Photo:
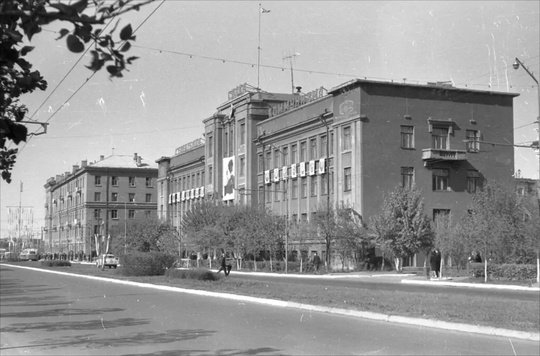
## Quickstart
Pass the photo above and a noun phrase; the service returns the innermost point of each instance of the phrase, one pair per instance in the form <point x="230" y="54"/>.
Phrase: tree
<point x="351" y="240"/>
<point x="497" y="226"/>
<point x="20" y="20"/>
<point x="144" y="235"/>
<point x="402" y="228"/>
<point x="325" y="221"/>
<point x="449" y="239"/>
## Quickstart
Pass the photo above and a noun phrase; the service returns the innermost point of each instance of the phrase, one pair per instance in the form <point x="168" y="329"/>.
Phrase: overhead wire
<point x="84" y="83"/>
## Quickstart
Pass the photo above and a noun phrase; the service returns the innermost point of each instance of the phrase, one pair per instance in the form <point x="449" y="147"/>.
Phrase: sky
<point x="193" y="52"/>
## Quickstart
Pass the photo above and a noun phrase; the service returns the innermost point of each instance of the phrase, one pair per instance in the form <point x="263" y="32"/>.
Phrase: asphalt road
<point x="50" y="314"/>
<point x="393" y="284"/>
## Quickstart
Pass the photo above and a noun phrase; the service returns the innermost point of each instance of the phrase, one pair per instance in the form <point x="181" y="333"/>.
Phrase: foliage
<point x="240" y="229"/>
<point x="198" y="274"/>
<point x="20" y="20"/>
<point x="402" y="228"/>
<point x="144" y="235"/>
<point x="449" y="239"/>
<point x="146" y="263"/>
<point x="56" y="263"/>
<point x="325" y="222"/>
<point x="505" y="271"/>
<point x="496" y="225"/>
<point x="351" y="240"/>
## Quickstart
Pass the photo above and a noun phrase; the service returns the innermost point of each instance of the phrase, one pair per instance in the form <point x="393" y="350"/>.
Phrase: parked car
<point x="29" y="255"/>
<point x="107" y="260"/>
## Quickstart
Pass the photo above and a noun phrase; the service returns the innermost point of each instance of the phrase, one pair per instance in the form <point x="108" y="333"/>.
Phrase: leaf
<point x="80" y="6"/>
<point x="125" y="47"/>
<point x="74" y="44"/>
<point x="131" y="59"/>
<point x="96" y="63"/>
<point x="114" y="71"/>
<point x="26" y="49"/>
<point x="62" y="33"/>
<point x="126" y="33"/>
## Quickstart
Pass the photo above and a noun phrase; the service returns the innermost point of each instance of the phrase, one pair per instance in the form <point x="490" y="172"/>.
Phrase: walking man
<point x="226" y="268"/>
<point x="316" y="261"/>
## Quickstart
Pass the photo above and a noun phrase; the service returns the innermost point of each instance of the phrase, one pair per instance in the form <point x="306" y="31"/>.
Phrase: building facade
<point x="296" y="153"/>
<point x="95" y="199"/>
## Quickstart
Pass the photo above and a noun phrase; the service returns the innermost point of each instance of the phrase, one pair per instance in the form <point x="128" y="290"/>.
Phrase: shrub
<point x="146" y="263"/>
<point x="55" y="263"/>
<point x="507" y="271"/>
<point x="199" y="274"/>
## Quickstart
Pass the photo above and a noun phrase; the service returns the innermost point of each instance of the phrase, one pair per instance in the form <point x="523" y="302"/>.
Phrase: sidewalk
<point x="409" y="278"/>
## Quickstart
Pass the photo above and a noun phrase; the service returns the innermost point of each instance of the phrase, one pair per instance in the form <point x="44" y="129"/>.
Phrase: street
<point x="50" y="314"/>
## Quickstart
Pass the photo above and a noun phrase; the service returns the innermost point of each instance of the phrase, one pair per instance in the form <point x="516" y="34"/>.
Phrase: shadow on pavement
<point x="222" y="352"/>
<point x="74" y="325"/>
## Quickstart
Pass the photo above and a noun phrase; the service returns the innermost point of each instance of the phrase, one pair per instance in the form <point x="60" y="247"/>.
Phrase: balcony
<point x="435" y="155"/>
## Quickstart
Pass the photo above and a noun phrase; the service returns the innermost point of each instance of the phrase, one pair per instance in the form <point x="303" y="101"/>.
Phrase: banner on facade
<point x="228" y="178"/>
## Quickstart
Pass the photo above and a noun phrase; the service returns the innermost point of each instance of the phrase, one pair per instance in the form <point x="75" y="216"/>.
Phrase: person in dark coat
<point x="226" y="268"/>
<point x="316" y="262"/>
<point x="435" y="263"/>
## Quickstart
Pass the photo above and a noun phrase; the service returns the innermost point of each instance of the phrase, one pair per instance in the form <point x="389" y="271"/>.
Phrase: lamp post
<point x="323" y="120"/>
<point x="516" y="66"/>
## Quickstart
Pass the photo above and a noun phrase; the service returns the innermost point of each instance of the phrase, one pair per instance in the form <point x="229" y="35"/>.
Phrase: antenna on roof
<point x="290" y="58"/>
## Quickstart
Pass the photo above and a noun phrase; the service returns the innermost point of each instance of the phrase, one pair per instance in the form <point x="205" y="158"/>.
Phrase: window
<point x="131" y="197"/>
<point x="225" y="143"/>
<point x="407" y="177"/>
<point x="210" y="146"/>
<point x="268" y="160"/>
<point x="268" y="194"/>
<point x="97" y="196"/>
<point x="243" y="133"/>
<point x="147" y="213"/>
<point x="97" y="180"/>
<point x="347" y="179"/>
<point x="285" y="151"/>
<point x="148" y="198"/>
<point x="148" y="182"/>
<point x="97" y="213"/>
<point x="331" y="145"/>
<point x="276" y="158"/>
<point x="294" y="153"/>
<point x="473" y="141"/>
<point x="114" y="196"/>
<point x="131" y="214"/>
<point x="210" y="175"/>
<point x="313" y="148"/>
<point x="294" y="189"/>
<point x="114" y="181"/>
<point x="314" y="186"/>
<point x="242" y="166"/>
<point x="261" y="163"/>
<point x="303" y="217"/>
<point x="473" y="181"/>
<point x="324" y="184"/>
<point x="324" y="141"/>
<point x="407" y="136"/>
<point x="440" y="179"/>
<point x="202" y="178"/>
<point x="347" y="140"/>
<point x="303" y="151"/>
<point x="114" y="214"/>
<point x="304" y="187"/>
<point x="131" y="181"/>
<point x="277" y="191"/>
<point x="231" y="141"/>
<point x="439" y="138"/>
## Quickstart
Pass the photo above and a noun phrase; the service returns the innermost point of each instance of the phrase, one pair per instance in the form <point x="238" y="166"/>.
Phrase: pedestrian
<point x="226" y="268"/>
<point x="435" y="263"/>
<point x="316" y="261"/>
<point x="477" y="258"/>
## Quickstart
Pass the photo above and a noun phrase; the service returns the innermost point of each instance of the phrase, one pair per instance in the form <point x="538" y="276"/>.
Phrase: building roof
<point x="124" y="161"/>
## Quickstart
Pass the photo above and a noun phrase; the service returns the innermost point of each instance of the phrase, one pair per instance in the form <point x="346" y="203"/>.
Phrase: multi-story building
<point x="297" y="152"/>
<point x="95" y="198"/>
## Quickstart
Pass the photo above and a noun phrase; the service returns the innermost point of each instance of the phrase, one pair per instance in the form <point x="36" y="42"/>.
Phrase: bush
<point x="199" y="274"/>
<point x="55" y="263"/>
<point x="507" y="271"/>
<point x="146" y="263"/>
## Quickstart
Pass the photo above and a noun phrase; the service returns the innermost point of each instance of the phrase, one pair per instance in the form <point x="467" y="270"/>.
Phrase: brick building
<point x="95" y="198"/>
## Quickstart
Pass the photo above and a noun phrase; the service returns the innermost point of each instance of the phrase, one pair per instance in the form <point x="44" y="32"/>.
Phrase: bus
<point x="29" y="254"/>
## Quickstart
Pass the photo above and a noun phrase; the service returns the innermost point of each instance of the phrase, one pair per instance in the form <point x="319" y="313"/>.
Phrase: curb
<point x="471" y="285"/>
<point x="428" y="323"/>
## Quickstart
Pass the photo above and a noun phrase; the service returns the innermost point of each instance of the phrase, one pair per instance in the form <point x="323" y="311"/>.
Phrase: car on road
<point x="107" y="260"/>
<point x="29" y="255"/>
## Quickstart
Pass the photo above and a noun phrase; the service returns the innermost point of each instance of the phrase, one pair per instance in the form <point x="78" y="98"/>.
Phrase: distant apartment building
<point x="95" y="198"/>
<point x="295" y="153"/>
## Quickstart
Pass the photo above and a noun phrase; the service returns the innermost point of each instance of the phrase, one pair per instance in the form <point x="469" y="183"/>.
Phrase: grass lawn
<point x="458" y="308"/>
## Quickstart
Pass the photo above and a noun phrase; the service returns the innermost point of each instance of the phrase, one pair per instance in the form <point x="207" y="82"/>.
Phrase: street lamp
<point x="516" y="66"/>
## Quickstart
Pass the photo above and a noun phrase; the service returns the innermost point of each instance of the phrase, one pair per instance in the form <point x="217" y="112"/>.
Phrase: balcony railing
<point x="433" y="155"/>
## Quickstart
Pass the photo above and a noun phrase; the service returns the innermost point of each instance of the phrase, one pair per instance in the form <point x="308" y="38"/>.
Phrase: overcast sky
<point x="193" y="53"/>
